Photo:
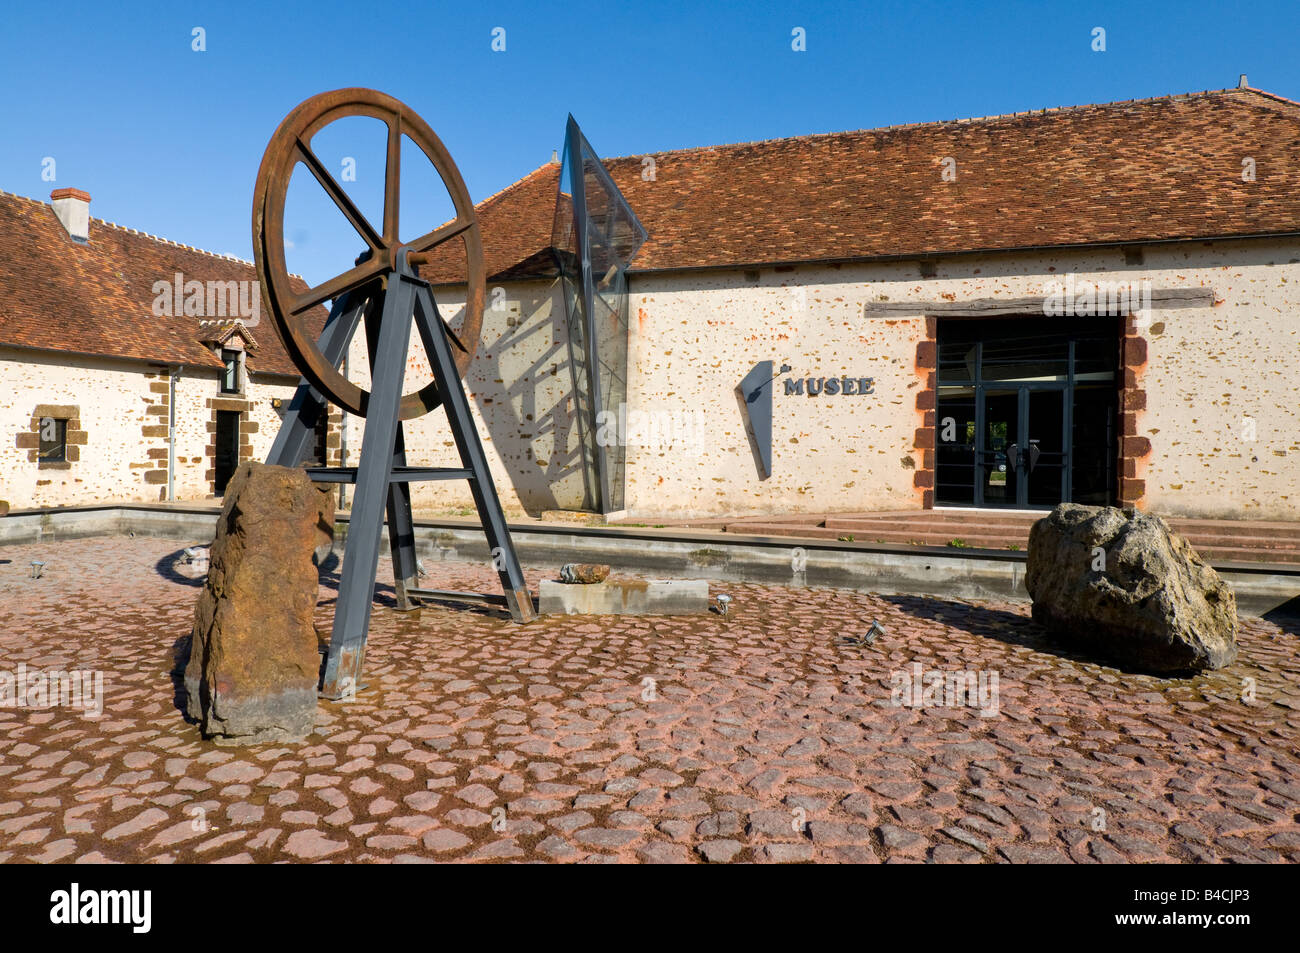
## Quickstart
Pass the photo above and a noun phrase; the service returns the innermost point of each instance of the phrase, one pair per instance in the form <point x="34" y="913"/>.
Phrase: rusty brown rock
<point x="4" y="507"/>
<point x="585" y="574"/>
<point x="254" y="665"/>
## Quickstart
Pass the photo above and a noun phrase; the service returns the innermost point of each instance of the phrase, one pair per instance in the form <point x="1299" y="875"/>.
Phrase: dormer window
<point x="232" y="377"/>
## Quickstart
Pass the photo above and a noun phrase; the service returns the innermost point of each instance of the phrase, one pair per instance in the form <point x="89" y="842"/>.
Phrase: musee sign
<point x="831" y="386"/>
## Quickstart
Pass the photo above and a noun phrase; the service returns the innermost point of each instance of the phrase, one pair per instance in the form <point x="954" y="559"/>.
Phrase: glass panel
<point x="53" y="440"/>
<point x="956" y="362"/>
<point x="1096" y="357"/>
<point x="1030" y="349"/>
<point x="1093" y="461"/>
<point x="1044" y="452"/>
<point x="1001" y="433"/>
<point x="230" y="380"/>
<point x="1029" y="356"/>
<point x="955" y="447"/>
<point x="595" y="235"/>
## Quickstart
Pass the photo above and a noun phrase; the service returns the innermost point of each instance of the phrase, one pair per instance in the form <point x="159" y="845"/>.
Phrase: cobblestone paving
<point x="765" y="737"/>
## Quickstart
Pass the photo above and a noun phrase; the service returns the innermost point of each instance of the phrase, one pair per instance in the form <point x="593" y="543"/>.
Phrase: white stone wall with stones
<point x="519" y="386"/>
<point x="123" y="441"/>
<point x="1223" y="385"/>
<point x="694" y="338"/>
<point x="112" y="397"/>
<point x="1209" y="373"/>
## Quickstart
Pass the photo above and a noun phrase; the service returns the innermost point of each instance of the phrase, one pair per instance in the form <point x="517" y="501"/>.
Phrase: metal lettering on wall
<point x="831" y="386"/>
<point x="756" y="393"/>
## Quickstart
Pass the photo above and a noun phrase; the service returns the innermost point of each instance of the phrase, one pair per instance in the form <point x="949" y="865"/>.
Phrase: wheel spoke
<point x="393" y="180"/>
<point x="341" y="199"/>
<point x="358" y="276"/>
<point x="442" y="233"/>
<point x="290" y="146"/>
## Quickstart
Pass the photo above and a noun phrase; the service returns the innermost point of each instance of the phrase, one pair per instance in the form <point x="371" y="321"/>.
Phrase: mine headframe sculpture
<point x="383" y="293"/>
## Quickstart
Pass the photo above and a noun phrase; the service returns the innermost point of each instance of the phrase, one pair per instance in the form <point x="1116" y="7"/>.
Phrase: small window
<point x="54" y="441"/>
<point x="230" y="377"/>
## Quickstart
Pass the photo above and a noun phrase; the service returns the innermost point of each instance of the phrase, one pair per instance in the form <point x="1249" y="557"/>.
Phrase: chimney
<point x="72" y="206"/>
<point x="1241" y="82"/>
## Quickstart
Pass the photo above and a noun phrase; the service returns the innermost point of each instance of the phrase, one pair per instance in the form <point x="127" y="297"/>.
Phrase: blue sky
<point x="168" y="140"/>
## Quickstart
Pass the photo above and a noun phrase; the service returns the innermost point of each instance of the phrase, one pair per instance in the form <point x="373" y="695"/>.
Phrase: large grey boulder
<point x="1129" y="589"/>
<point x="254" y="661"/>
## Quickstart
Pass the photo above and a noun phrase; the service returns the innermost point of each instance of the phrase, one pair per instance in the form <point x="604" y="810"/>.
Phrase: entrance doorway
<point x="227" y="449"/>
<point x="1027" y="411"/>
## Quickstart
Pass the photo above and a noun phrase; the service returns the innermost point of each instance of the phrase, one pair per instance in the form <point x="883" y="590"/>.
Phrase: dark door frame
<point x="978" y="387"/>
<point x="985" y="458"/>
<point x="218" y="483"/>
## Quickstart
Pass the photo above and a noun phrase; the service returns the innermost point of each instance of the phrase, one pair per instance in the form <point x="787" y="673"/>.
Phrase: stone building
<point x="1098" y="303"/>
<point x="131" y="368"/>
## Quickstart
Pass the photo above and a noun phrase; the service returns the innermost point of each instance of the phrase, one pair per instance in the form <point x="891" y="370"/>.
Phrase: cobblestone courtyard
<point x="766" y="736"/>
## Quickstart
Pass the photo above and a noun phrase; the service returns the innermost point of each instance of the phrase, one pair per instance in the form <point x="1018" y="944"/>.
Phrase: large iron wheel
<point x="291" y="145"/>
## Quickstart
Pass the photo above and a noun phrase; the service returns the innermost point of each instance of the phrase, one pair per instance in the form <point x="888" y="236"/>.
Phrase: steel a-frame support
<point x="382" y="476"/>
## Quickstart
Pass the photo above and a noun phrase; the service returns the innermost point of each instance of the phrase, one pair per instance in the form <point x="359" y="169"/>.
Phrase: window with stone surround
<point x="54" y="438"/>
<point x="232" y="375"/>
<point x="53" y="447"/>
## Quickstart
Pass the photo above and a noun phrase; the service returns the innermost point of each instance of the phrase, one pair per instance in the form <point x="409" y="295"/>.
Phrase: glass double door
<point x="1024" y="458"/>
<point x="1026" y="411"/>
<point x="1028" y="445"/>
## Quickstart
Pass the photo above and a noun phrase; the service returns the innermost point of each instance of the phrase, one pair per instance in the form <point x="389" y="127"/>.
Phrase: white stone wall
<point x="1222" y="389"/>
<point x="694" y="340"/>
<point x="695" y="335"/>
<point x="1223" y="386"/>
<point x="114" y="398"/>
<point x="519" y="386"/>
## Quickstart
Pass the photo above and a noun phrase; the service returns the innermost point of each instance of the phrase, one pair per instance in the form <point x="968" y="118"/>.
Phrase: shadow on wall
<point x="523" y="386"/>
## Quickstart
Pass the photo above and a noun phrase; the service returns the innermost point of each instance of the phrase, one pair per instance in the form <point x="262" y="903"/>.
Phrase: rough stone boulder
<point x="583" y="574"/>
<point x="1129" y="589"/>
<point x="254" y="664"/>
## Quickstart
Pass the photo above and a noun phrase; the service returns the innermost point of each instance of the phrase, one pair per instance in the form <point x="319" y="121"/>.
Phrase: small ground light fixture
<point x="724" y="601"/>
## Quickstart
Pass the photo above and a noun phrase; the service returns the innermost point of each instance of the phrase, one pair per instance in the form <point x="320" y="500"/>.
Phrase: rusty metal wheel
<point x="290" y="146"/>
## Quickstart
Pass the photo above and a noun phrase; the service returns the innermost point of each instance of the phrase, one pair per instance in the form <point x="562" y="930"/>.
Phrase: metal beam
<point x="299" y="424"/>
<point x="437" y="346"/>
<point x="361" y="553"/>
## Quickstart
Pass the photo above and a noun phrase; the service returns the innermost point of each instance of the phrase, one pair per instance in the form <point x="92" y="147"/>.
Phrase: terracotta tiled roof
<point x="1145" y="170"/>
<point x="97" y="298"/>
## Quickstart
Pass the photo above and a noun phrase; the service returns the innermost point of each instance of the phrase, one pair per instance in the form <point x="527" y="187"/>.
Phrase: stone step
<point x="1247" y="554"/>
<point x="1239" y="548"/>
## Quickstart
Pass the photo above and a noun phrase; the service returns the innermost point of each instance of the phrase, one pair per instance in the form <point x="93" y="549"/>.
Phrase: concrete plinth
<point x="617" y="596"/>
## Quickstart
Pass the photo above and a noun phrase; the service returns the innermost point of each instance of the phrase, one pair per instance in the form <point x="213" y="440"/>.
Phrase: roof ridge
<point x="1265" y="93"/>
<point x="518" y="182"/>
<point x="174" y="244"/>
<point x="807" y="137"/>
<point x="136" y="231"/>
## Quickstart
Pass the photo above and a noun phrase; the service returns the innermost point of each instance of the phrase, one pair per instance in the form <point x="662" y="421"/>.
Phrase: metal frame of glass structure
<point x="595" y="236"/>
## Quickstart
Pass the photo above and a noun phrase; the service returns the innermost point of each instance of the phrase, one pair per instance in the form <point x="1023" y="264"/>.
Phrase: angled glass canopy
<point x="595" y="236"/>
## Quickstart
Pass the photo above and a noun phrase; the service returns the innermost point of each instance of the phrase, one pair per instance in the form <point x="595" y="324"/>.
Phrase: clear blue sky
<point x="168" y="140"/>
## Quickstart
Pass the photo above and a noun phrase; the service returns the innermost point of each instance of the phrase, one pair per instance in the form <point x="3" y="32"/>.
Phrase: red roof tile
<point x="1147" y="170"/>
<point x="97" y="298"/>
